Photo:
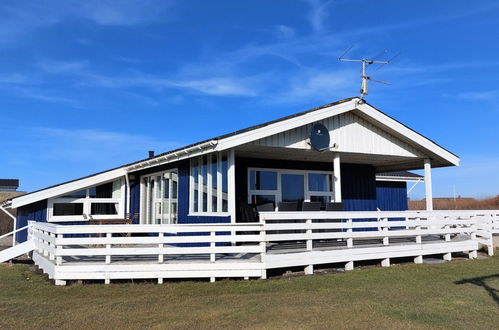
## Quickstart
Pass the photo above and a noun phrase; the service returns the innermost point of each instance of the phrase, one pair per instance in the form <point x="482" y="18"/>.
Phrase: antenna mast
<point x="364" y="89"/>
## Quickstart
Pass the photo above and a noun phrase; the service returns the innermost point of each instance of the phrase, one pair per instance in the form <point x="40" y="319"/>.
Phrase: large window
<point x="208" y="191"/>
<point x="159" y="198"/>
<point x="280" y="185"/>
<point x="104" y="201"/>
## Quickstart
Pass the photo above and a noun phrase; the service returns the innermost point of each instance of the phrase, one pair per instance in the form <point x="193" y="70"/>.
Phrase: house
<point x="346" y="156"/>
<point x="209" y="181"/>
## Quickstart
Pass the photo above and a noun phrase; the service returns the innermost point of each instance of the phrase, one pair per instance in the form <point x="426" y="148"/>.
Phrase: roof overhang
<point x="67" y="187"/>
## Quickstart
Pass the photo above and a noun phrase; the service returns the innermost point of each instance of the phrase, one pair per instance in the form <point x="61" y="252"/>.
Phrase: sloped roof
<point x="229" y="140"/>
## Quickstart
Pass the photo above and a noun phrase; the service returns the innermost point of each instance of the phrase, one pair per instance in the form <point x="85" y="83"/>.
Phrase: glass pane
<point x="204" y="190"/>
<point x="68" y="209"/>
<point x="263" y="199"/>
<point x="319" y="182"/>
<point x="214" y="190"/>
<point x="174" y="213"/>
<point x="166" y="189"/>
<point x="322" y="199"/>
<point x="116" y="189"/>
<point x="104" y="209"/>
<point x="158" y="186"/>
<point x="76" y="194"/>
<point x="292" y="186"/>
<point x="225" y="185"/>
<point x="263" y="180"/>
<point x="101" y="191"/>
<point x="195" y="178"/>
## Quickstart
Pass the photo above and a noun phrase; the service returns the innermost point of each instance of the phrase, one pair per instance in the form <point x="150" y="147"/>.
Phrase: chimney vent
<point x="151" y="153"/>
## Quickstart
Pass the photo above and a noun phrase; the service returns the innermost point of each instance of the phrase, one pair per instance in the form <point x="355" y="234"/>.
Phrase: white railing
<point x="14" y="232"/>
<point x="281" y="239"/>
<point x="374" y="235"/>
<point x="205" y="250"/>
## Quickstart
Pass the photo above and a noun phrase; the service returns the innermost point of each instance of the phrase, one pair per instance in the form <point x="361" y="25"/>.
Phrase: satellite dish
<point x="319" y="137"/>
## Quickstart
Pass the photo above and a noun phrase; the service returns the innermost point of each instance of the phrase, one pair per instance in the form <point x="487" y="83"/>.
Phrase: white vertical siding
<point x="352" y="134"/>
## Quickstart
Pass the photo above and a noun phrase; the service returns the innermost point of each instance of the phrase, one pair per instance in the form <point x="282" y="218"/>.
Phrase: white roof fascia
<point x="281" y="126"/>
<point x="399" y="179"/>
<point x="67" y="187"/>
<point x="185" y="153"/>
<point x="408" y="133"/>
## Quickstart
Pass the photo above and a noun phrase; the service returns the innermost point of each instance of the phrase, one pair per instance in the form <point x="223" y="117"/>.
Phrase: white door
<point x="160" y="193"/>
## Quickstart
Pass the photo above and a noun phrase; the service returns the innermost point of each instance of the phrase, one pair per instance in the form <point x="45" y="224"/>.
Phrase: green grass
<point x="402" y="296"/>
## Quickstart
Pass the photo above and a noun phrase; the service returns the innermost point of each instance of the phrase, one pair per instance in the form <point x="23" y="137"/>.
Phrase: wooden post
<point x="386" y="240"/>
<point x="418" y="229"/>
<point x="350" y="231"/>
<point x="349" y="266"/>
<point x="58" y="248"/>
<point x="337" y="178"/>
<point x="108" y="251"/>
<point x="418" y="260"/>
<point x="448" y="256"/>
<point x="309" y="235"/>
<point x="231" y="180"/>
<point x="309" y="270"/>
<point x="160" y="249"/>
<point x="212" y="245"/>
<point x="263" y="247"/>
<point x="428" y="185"/>
<point x="385" y="262"/>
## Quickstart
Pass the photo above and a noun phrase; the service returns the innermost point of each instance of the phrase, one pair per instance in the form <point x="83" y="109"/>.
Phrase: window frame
<point x="87" y="205"/>
<point x="211" y="158"/>
<point x="278" y="192"/>
<point x="146" y="205"/>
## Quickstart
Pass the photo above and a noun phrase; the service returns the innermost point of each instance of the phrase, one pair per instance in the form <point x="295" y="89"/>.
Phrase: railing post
<point x="52" y="245"/>
<point x="309" y="235"/>
<point x="447" y="235"/>
<point x="108" y="250"/>
<point x="160" y="248"/>
<point x="386" y="240"/>
<point x="350" y="232"/>
<point x="212" y="246"/>
<point x="263" y="247"/>
<point x="58" y="249"/>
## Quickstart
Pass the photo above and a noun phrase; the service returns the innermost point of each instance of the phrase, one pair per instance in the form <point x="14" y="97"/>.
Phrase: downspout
<point x="14" y="223"/>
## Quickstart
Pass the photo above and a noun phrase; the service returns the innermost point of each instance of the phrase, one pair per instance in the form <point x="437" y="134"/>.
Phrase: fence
<point x="280" y="240"/>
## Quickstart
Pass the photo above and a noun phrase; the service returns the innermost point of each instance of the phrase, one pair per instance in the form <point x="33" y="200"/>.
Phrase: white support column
<point x="428" y="185"/>
<point x="231" y="180"/>
<point x="337" y="177"/>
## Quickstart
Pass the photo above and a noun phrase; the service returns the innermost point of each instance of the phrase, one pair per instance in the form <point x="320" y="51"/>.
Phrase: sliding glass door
<point x="159" y="195"/>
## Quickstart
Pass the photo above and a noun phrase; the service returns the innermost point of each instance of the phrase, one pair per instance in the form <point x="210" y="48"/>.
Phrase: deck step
<point x="17" y="251"/>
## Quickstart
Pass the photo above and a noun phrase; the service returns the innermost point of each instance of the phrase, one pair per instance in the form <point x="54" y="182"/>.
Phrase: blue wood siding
<point x="183" y="168"/>
<point x="391" y="196"/>
<point x="32" y="212"/>
<point x="360" y="191"/>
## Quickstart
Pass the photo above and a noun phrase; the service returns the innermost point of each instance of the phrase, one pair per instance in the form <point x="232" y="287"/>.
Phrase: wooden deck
<point x="280" y="240"/>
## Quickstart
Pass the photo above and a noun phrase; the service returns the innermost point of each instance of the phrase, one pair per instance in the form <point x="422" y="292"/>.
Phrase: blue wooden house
<point x="270" y="166"/>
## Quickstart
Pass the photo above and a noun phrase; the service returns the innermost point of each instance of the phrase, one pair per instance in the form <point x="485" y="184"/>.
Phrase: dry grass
<point x="5" y="220"/>
<point x="458" y="204"/>
<point x="458" y="294"/>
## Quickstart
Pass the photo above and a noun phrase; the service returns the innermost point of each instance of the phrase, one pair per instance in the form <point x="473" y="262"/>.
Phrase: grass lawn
<point x="402" y="296"/>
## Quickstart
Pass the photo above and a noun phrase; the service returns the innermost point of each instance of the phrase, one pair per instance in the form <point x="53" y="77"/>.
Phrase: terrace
<point x="249" y="250"/>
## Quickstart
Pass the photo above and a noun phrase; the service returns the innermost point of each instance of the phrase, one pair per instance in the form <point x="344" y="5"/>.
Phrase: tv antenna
<point x="364" y="89"/>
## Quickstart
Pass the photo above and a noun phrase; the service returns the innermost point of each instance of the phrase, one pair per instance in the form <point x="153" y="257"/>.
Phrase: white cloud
<point x="479" y="95"/>
<point x="21" y="18"/>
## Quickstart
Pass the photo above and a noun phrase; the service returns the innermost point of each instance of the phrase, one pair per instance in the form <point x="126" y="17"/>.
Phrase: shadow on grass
<point x="482" y="282"/>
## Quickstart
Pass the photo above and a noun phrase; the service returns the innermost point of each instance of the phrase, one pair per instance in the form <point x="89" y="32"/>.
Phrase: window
<point x="281" y="185"/>
<point x="97" y="202"/>
<point x="158" y="195"/>
<point x="208" y="194"/>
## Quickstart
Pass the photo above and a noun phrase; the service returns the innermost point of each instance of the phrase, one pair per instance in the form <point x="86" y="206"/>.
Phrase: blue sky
<point x="90" y="85"/>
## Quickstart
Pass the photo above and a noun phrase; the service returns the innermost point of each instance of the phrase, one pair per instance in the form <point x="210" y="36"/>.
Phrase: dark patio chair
<point x="268" y="207"/>
<point x="334" y="206"/>
<point x="311" y="206"/>
<point x="288" y="206"/>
